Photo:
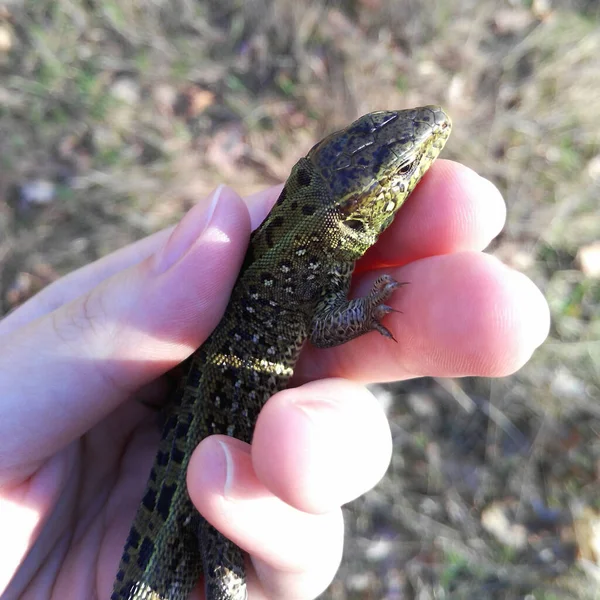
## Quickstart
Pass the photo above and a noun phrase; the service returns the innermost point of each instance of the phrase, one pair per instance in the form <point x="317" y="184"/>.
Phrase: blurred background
<point x="115" y="117"/>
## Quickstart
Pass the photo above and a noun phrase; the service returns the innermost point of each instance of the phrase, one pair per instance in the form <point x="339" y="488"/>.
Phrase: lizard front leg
<point x="338" y="320"/>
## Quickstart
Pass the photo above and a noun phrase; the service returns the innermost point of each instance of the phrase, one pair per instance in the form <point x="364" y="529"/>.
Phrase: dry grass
<point x="126" y="113"/>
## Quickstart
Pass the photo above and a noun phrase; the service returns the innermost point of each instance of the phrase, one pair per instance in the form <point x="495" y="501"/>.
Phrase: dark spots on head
<point x="121" y="574"/>
<point x="146" y="552"/>
<point x="383" y="155"/>
<point x="164" y="500"/>
<point x="149" y="499"/>
<point x="309" y="209"/>
<point x="294" y="205"/>
<point x="277" y="221"/>
<point x="304" y="177"/>
<point x="153" y="474"/>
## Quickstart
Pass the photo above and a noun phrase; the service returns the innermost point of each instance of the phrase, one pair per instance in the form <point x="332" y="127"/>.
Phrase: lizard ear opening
<point x="355" y="224"/>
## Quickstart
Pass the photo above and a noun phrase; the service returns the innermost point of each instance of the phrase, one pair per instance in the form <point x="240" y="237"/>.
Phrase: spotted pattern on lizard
<point x="293" y="286"/>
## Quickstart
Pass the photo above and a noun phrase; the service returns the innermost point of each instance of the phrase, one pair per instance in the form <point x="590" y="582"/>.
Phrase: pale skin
<point x="76" y="447"/>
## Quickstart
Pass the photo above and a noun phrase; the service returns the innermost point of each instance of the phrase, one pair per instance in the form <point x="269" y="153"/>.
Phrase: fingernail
<point x="228" y="468"/>
<point x="217" y="468"/>
<point x="189" y="229"/>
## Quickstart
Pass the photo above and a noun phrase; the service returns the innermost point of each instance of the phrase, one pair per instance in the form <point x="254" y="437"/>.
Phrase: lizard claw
<point x="382" y="310"/>
<point x="385" y="332"/>
<point x="381" y="290"/>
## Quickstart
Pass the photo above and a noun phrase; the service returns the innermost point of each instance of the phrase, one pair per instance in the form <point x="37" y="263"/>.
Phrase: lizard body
<point x="293" y="285"/>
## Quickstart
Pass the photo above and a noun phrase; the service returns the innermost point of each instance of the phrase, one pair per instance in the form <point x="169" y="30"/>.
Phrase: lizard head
<point x="373" y="165"/>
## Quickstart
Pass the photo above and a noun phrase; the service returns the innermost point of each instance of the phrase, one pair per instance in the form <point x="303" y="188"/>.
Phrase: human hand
<point x="75" y="454"/>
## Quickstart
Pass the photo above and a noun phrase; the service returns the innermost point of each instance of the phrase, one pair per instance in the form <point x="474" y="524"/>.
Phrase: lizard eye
<point x="406" y="167"/>
<point x="355" y="224"/>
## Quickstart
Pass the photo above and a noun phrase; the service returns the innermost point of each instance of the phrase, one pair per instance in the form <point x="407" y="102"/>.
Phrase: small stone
<point x="587" y="533"/>
<point x="359" y="582"/>
<point x="593" y="168"/>
<point x="193" y="101"/>
<point x="37" y="191"/>
<point x="512" y="20"/>
<point x="423" y="405"/>
<point x="379" y="550"/>
<point x="542" y="9"/>
<point x="6" y="39"/>
<point x="126" y="90"/>
<point x="565" y="385"/>
<point x="588" y="259"/>
<point x="165" y="97"/>
<point x="495" y="520"/>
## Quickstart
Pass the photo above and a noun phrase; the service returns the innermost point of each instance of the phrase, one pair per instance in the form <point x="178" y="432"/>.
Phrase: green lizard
<point x="293" y="285"/>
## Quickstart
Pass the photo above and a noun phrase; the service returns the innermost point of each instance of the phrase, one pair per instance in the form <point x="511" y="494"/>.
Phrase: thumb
<point x="62" y="373"/>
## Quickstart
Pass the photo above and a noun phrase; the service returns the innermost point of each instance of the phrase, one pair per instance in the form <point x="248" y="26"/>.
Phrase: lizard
<point x="292" y="287"/>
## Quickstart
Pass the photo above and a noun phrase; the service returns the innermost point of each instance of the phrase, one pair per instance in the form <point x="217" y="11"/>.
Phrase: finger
<point x="317" y="447"/>
<point x="462" y="314"/>
<point x="83" y="280"/>
<point x="72" y="367"/>
<point x="453" y="209"/>
<point x="321" y="445"/>
<point x="86" y="278"/>
<point x="280" y="539"/>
